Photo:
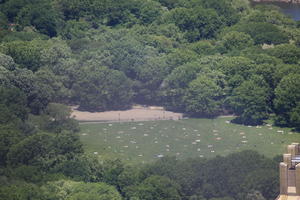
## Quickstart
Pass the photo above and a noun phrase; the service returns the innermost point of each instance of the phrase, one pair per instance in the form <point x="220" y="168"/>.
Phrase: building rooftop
<point x="290" y="174"/>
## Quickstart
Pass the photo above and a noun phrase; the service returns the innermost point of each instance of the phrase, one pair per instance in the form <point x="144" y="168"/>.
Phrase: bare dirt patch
<point x="137" y="113"/>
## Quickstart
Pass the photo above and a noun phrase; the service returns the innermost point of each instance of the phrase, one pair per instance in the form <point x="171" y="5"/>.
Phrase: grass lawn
<point x="147" y="141"/>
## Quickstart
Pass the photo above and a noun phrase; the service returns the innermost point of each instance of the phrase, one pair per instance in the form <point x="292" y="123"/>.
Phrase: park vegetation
<point x="202" y="58"/>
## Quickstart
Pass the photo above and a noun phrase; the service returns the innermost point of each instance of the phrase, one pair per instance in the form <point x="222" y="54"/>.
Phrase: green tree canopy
<point x="100" y="88"/>
<point x="25" y="53"/>
<point x="262" y="32"/>
<point x="197" y="23"/>
<point x="204" y="97"/>
<point x="41" y="16"/>
<point x="71" y="190"/>
<point x="235" y="41"/>
<point x="287" y="100"/>
<point x="288" y="53"/>
<point x="250" y="101"/>
<point x="155" y="187"/>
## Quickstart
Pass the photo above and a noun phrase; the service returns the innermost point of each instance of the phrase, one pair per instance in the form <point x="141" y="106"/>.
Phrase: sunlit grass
<point x="147" y="141"/>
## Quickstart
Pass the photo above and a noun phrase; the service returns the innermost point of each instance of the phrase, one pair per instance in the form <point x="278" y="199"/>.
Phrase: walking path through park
<point x="137" y="113"/>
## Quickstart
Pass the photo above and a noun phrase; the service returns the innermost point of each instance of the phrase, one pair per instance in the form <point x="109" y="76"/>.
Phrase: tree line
<point x="201" y="58"/>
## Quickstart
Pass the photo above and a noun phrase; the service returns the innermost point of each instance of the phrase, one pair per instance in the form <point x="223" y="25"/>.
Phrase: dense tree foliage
<point x="204" y="58"/>
<point x="106" y="55"/>
<point x="71" y="190"/>
<point x="100" y="88"/>
<point x="287" y="100"/>
<point x="250" y="101"/>
<point x="203" y="97"/>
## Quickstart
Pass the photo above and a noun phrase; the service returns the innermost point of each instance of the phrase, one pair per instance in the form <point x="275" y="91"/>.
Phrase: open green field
<point x="147" y="141"/>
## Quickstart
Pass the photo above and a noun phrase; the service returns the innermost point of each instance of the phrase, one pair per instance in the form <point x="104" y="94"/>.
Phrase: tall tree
<point x="204" y="97"/>
<point x="287" y="100"/>
<point x="100" y="88"/>
<point x="250" y="101"/>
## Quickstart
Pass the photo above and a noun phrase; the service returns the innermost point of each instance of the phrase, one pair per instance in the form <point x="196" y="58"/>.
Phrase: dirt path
<point x="137" y="113"/>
